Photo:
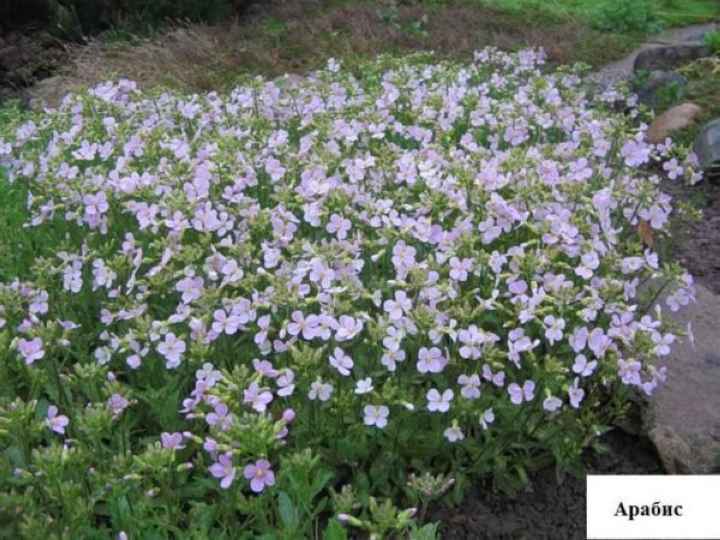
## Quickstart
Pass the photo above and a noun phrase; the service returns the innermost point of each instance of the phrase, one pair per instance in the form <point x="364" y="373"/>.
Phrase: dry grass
<point x="290" y="37"/>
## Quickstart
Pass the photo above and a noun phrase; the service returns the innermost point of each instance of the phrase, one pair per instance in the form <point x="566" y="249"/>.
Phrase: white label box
<point x="653" y="507"/>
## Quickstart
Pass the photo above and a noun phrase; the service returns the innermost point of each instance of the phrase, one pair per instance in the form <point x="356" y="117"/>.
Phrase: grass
<point x="669" y="13"/>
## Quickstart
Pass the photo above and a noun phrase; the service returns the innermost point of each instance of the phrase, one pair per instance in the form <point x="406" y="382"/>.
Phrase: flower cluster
<point x="437" y="245"/>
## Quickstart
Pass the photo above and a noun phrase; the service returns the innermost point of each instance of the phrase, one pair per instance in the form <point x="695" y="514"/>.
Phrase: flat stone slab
<point x="683" y="419"/>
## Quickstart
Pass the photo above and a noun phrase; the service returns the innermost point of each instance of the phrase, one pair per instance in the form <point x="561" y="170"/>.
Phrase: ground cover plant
<point x="315" y="305"/>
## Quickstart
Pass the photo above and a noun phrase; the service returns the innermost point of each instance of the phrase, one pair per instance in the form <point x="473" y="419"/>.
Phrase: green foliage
<point x="622" y="16"/>
<point x="712" y="40"/>
<point x="74" y="18"/>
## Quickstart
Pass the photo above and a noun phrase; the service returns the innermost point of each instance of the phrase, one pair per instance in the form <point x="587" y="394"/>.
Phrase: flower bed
<point x="257" y="299"/>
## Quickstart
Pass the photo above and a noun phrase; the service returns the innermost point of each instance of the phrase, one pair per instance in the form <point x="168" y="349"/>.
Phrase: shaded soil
<point x="547" y="509"/>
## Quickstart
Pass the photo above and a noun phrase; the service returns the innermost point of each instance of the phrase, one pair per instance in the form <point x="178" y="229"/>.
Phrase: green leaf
<point x="427" y="532"/>
<point x="288" y="514"/>
<point x="334" y="531"/>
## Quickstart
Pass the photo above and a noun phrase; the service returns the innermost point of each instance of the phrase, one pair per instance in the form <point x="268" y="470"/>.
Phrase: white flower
<point x="454" y="434"/>
<point x="439" y="402"/>
<point x="320" y="390"/>
<point x="363" y="386"/>
<point x="376" y="415"/>
<point x="341" y="361"/>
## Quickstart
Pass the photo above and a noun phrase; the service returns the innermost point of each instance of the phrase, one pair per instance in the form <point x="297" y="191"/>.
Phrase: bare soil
<point x="547" y="509"/>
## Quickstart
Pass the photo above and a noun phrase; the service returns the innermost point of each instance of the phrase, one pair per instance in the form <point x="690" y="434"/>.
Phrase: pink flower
<point x="260" y="475"/>
<point x="55" y="422"/>
<point x="224" y="470"/>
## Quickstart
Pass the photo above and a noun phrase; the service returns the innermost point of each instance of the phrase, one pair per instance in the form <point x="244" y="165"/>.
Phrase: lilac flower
<point x="398" y="307"/>
<point x="285" y="381"/>
<point x="431" y="360"/>
<point x="390" y="358"/>
<point x="220" y="417"/>
<point x="473" y="340"/>
<point x="629" y="371"/>
<point x="301" y="325"/>
<point x="575" y="394"/>
<point x="224" y="470"/>
<point x="208" y="374"/>
<point x="662" y="343"/>
<point x="338" y="225"/>
<point x="31" y="350"/>
<point x="553" y="329"/>
<point x="117" y="404"/>
<point x="341" y="362"/>
<point x="582" y="367"/>
<point x="598" y="342"/>
<point x="260" y="475"/>
<point x="487" y="418"/>
<point x="264" y="368"/>
<point x="191" y="288"/>
<point x="439" y="402"/>
<point x="459" y="269"/>
<point x="518" y="393"/>
<point x="172" y="441"/>
<point x="172" y="349"/>
<point x="56" y="422"/>
<point x="470" y="386"/>
<point x="257" y="397"/>
<point x="578" y="339"/>
<point x="376" y="415"/>
<point x="226" y="323"/>
<point x="552" y="403"/>
<point x="348" y="328"/>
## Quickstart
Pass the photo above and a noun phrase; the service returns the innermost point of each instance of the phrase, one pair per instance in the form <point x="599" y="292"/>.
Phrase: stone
<point x="675" y="454"/>
<point x="707" y="149"/>
<point x="661" y="86"/>
<point x="669" y="58"/>
<point x="679" y="117"/>
<point x="683" y="416"/>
